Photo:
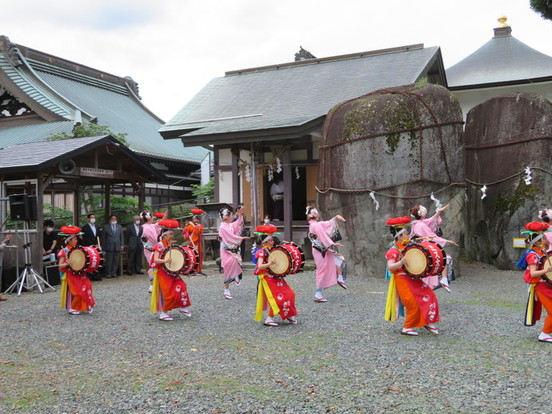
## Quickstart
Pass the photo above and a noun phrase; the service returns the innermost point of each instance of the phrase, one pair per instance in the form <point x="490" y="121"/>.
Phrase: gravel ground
<point x="342" y="356"/>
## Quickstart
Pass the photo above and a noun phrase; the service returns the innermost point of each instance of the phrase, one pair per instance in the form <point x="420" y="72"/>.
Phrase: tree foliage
<point x="542" y="7"/>
<point x="204" y="193"/>
<point x="88" y="130"/>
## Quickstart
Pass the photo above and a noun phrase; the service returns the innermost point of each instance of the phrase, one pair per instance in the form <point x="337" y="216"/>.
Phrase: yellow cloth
<point x="530" y="305"/>
<point x="63" y="292"/>
<point x="262" y="291"/>
<point x="391" y="303"/>
<point x="154" y="299"/>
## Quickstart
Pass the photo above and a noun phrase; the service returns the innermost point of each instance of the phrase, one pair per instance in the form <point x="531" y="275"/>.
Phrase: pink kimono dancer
<point x="151" y="233"/>
<point x="230" y="260"/>
<point x="326" y="270"/>
<point x="231" y="265"/>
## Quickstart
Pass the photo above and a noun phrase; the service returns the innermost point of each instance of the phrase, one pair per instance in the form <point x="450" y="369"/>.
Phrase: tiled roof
<point x="502" y="59"/>
<point x="63" y="87"/>
<point x="36" y="156"/>
<point x="291" y="95"/>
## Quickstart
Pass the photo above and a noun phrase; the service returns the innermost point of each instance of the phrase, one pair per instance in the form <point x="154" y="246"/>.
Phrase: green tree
<point x="542" y="7"/>
<point x="89" y="130"/>
<point x="205" y="192"/>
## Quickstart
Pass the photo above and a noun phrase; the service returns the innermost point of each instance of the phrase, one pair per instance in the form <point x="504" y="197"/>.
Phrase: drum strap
<point x="263" y="290"/>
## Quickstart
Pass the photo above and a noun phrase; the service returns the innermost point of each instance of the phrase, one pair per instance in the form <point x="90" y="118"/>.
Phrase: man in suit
<point x="90" y="238"/>
<point x="135" y="247"/>
<point x="91" y="233"/>
<point x="112" y="243"/>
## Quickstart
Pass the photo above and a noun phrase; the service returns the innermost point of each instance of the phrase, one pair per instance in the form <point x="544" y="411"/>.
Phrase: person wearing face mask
<point x="49" y="241"/>
<point x="135" y="247"/>
<point x="90" y="238"/>
<point x="112" y="237"/>
<point x="419" y="300"/>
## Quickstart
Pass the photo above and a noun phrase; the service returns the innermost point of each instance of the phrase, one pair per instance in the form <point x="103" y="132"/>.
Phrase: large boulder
<point x="399" y="146"/>
<point x="504" y="135"/>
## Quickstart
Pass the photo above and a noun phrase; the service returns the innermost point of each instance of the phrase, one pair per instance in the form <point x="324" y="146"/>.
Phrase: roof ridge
<point x="328" y="59"/>
<point x="76" y="76"/>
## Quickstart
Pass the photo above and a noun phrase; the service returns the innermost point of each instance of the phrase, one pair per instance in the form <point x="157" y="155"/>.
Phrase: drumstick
<point x="99" y="244"/>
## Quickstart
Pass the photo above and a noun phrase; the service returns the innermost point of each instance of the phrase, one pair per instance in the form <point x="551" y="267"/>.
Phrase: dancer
<point x="194" y="234"/>
<point x="426" y="228"/>
<point x="169" y="292"/>
<point x="272" y="292"/>
<point x="324" y="257"/>
<point x="418" y="299"/>
<point x="540" y="287"/>
<point x="230" y="255"/>
<point x="150" y="236"/>
<point x="76" y="289"/>
<point x="546" y="216"/>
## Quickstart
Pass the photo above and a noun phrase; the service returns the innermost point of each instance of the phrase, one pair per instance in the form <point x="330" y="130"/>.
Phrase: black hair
<point x="49" y="223"/>
<point x="90" y="215"/>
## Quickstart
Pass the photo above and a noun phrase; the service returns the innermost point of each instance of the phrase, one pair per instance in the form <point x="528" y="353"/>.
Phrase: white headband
<point x="166" y="232"/>
<point x="400" y="232"/>
<point x="422" y="210"/>
<point x="536" y="239"/>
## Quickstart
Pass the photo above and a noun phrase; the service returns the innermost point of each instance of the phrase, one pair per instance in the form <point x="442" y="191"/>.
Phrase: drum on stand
<point x="424" y="259"/>
<point x="84" y="259"/>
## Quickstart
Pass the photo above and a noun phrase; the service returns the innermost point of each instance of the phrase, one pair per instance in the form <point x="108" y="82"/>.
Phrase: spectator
<point x="112" y="243"/>
<point x="49" y="241"/>
<point x="135" y="247"/>
<point x="90" y="236"/>
<point x="3" y="244"/>
<point x="277" y="194"/>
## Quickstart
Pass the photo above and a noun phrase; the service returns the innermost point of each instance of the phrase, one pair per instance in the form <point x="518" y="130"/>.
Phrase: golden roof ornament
<point x="502" y="20"/>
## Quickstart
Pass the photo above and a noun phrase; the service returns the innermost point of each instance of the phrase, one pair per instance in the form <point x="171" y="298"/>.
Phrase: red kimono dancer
<point x="272" y="292"/>
<point x="169" y="292"/>
<point x="194" y="233"/>
<point x="76" y="289"/>
<point x="540" y="291"/>
<point x="419" y="300"/>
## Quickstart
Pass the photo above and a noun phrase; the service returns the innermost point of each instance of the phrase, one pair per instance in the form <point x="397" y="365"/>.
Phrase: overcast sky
<point x="172" y="48"/>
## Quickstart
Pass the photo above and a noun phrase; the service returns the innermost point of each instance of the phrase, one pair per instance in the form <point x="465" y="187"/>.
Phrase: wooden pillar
<point x="235" y="178"/>
<point x="107" y="201"/>
<point x="288" y="212"/>
<point x="141" y="195"/>
<point x="76" y="205"/>
<point x="36" y="260"/>
<point x="216" y="175"/>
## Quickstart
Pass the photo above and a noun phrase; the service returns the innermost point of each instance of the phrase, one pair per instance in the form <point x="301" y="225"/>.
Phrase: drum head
<point x="283" y="261"/>
<point x="77" y="259"/>
<point x="416" y="261"/>
<point x="178" y="259"/>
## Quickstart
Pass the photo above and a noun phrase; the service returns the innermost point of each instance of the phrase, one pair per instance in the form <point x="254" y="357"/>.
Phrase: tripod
<point x="28" y="277"/>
